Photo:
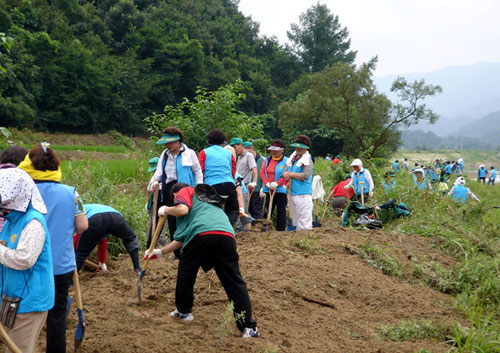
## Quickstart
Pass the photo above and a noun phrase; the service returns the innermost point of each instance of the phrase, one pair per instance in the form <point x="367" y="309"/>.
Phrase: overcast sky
<point x="408" y="36"/>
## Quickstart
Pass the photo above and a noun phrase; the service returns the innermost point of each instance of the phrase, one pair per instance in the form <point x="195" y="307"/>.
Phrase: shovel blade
<point x="141" y="274"/>
<point x="80" y="330"/>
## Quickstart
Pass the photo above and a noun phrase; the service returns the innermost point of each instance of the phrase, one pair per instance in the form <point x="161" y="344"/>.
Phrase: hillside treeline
<point x="92" y="66"/>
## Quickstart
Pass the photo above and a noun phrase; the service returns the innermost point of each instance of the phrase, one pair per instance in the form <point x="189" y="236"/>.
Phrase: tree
<point x="344" y="99"/>
<point x="207" y="111"/>
<point x="319" y="40"/>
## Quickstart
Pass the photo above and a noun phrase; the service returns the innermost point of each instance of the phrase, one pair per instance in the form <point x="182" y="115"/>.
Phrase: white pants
<point x="302" y="208"/>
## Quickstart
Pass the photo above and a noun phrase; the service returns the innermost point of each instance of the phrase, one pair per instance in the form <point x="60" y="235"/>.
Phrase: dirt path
<point x="321" y="298"/>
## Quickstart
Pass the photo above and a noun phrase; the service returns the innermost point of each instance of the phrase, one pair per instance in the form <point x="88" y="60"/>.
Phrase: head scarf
<point x="17" y="190"/>
<point x="52" y="175"/>
<point x="357" y="162"/>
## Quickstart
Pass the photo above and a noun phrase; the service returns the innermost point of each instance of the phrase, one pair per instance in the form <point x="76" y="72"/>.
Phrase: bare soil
<point x="317" y="298"/>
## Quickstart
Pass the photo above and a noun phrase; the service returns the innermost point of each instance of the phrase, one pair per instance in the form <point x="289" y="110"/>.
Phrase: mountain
<point x="469" y="93"/>
<point x="486" y="129"/>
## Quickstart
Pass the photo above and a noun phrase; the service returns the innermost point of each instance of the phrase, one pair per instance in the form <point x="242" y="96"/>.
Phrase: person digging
<point x="207" y="240"/>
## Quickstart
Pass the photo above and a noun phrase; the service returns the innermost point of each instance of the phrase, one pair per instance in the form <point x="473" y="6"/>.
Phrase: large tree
<point x="344" y="99"/>
<point x="319" y="40"/>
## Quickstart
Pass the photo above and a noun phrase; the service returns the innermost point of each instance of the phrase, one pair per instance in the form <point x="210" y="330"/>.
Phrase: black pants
<point x="100" y="226"/>
<point x="56" y="318"/>
<point x="218" y="252"/>
<point x="280" y="201"/>
<point x="168" y="200"/>
<point x="231" y="208"/>
<point x="256" y="205"/>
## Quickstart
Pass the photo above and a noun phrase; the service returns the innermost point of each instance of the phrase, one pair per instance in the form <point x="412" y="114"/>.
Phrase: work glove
<point x="162" y="211"/>
<point x="242" y="210"/>
<point x="103" y="266"/>
<point x="251" y="185"/>
<point x="370" y="193"/>
<point x="268" y="185"/>
<point x="146" y="207"/>
<point x="273" y="185"/>
<point x="156" y="253"/>
<point x="262" y="194"/>
<point x="153" y="186"/>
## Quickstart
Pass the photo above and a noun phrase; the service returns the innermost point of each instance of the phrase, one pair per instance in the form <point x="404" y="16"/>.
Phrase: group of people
<point x="246" y="180"/>
<point x="39" y="217"/>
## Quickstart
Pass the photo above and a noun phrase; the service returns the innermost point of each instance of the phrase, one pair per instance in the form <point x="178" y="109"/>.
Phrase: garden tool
<point x="270" y="210"/>
<point x="155" y="214"/>
<point x="8" y="341"/>
<point x="290" y="227"/>
<point x="362" y="187"/>
<point x="159" y="227"/>
<point x="80" y="329"/>
<point x="249" y="197"/>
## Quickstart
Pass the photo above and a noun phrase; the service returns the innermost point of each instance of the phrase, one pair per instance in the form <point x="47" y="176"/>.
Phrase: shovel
<point x="316" y="223"/>
<point x="8" y="341"/>
<point x="291" y="227"/>
<point x="159" y="227"/>
<point x="269" y="210"/>
<point x="80" y="329"/>
<point x="362" y="187"/>
<point x="154" y="214"/>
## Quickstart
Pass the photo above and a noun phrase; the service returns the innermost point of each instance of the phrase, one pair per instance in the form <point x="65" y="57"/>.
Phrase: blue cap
<point x="168" y="138"/>
<point x="236" y="141"/>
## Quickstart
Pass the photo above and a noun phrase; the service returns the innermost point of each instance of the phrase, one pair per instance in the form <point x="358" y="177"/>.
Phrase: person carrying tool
<point x="459" y="192"/>
<point x="299" y="173"/>
<point x="25" y="259"/>
<point x="361" y="181"/>
<point x="103" y="221"/>
<point x="493" y="176"/>
<point x="340" y="196"/>
<point x="481" y="174"/>
<point x="256" y="202"/>
<point x="271" y="174"/>
<point x="247" y="168"/>
<point x="65" y="216"/>
<point x="219" y="169"/>
<point x="177" y="163"/>
<point x="207" y="240"/>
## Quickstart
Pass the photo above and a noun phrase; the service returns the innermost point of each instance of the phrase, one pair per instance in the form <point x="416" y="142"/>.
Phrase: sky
<point x="407" y="36"/>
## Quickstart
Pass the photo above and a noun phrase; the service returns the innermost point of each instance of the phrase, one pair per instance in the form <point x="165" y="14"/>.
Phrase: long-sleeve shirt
<point x="171" y="165"/>
<point x="28" y="249"/>
<point x="368" y="177"/>
<point x="202" y="157"/>
<point x="469" y="194"/>
<point x="271" y="168"/>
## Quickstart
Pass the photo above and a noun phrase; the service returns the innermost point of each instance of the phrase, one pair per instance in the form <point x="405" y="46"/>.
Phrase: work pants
<point x="256" y="205"/>
<point x="231" y="207"/>
<point x="217" y="252"/>
<point x="26" y="330"/>
<point x="280" y="201"/>
<point x="56" y="318"/>
<point x="302" y="208"/>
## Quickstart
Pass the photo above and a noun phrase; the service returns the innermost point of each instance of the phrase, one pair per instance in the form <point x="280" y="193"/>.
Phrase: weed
<point x="274" y="349"/>
<point x="376" y="257"/>
<point x="409" y="330"/>
<point x="310" y="245"/>
<point x="226" y="322"/>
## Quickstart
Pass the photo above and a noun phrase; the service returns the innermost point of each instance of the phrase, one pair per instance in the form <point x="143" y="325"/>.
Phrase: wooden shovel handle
<point x="76" y="286"/>
<point x="159" y="227"/>
<point x="8" y="342"/>
<point x="155" y="208"/>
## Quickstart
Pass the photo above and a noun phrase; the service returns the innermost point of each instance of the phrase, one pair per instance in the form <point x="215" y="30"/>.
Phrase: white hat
<point x="419" y="170"/>
<point x="460" y="181"/>
<point x="356" y="162"/>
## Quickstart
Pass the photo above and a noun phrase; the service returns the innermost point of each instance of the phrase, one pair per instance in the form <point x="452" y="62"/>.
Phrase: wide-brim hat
<point x="167" y="138"/>
<point x="236" y="141"/>
<point x="300" y="145"/>
<point x="153" y="162"/>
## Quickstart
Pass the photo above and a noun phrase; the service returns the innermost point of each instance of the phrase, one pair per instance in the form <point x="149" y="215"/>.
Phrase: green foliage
<point x="5" y="135"/>
<point x="319" y="40"/>
<point x="207" y="111"/>
<point x="344" y="99"/>
<point x="410" y="330"/>
<point x="226" y="322"/>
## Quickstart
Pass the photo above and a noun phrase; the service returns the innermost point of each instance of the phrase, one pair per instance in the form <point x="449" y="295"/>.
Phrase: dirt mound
<point x="309" y="290"/>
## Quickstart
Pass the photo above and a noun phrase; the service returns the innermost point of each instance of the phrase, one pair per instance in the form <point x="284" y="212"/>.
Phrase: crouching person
<point x="207" y="239"/>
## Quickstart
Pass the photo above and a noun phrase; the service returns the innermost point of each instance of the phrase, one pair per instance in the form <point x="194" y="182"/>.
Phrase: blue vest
<point x="35" y="285"/>
<point x="448" y="169"/>
<point x="388" y="187"/>
<point x="243" y="186"/>
<point x="300" y="187"/>
<point x="184" y="173"/>
<point x="422" y="185"/>
<point x="481" y="173"/>
<point x="395" y="166"/>
<point x="358" y="177"/>
<point x="218" y="166"/>
<point x="60" y="217"/>
<point x="278" y="172"/>
<point x="461" y="165"/>
<point x="493" y="174"/>
<point x="459" y="193"/>
<point x="94" y="208"/>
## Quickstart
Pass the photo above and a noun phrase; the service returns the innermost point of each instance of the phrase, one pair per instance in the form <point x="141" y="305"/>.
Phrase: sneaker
<point x="251" y="332"/>
<point x="184" y="317"/>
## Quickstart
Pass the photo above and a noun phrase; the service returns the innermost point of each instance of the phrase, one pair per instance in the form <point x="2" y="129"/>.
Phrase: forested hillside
<point x="93" y="66"/>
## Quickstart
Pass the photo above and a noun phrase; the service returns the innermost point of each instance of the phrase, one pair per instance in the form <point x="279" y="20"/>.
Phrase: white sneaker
<point x="184" y="317"/>
<point x="251" y="332"/>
